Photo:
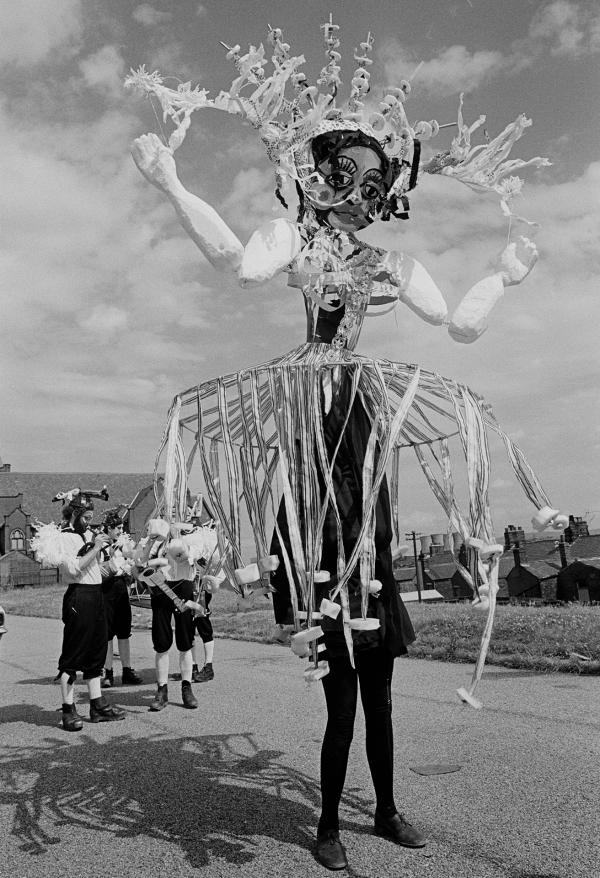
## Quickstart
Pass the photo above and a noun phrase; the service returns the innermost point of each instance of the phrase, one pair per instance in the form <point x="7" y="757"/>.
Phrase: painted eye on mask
<point x="339" y="179"/>
<point x="371" y="191"/>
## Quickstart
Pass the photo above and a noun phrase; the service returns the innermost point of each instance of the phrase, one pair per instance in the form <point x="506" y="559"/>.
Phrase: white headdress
<point x="287" y="123"/>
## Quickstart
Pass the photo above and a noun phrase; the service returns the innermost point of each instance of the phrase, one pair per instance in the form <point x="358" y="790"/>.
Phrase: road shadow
<point x="134" y="699"/>
<point x="32" y="714"/>
<point x="148" y="676"/>
<point x="212" y="795"/>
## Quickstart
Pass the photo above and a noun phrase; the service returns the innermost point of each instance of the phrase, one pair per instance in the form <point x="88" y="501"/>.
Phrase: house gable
<point x="8" y="503"/>
<point x="522" y="583"/>
<point x="576" y="576"/>
<point x="16" y="518"/>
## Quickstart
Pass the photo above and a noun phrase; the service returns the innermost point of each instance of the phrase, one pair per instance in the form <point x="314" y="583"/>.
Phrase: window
<point x="17" y="540"/>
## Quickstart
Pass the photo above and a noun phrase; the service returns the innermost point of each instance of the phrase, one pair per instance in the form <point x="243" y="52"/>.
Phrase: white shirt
<point x="70" y="563"/>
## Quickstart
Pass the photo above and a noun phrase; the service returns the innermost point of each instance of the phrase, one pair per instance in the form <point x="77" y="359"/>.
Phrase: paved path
<point x="232" y="788"/>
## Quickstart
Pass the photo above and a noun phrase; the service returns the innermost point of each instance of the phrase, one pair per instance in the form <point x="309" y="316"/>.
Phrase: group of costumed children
<point x="99" y="565"/>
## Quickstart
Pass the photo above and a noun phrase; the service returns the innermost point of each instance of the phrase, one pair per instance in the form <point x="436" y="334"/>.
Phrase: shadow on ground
<point x="148" y="676"/>
<point x="212" y="795"/>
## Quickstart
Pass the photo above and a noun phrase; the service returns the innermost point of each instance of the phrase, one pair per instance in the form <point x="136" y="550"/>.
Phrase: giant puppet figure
<point x="293" y="453"/>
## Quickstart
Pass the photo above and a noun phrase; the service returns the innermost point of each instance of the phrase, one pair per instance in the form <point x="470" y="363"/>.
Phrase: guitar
<point x="153" y="577"/>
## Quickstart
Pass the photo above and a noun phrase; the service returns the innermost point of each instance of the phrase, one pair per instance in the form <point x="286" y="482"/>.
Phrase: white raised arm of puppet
<point x="270" y="249"/>
<point x="469" y="320"/>
<point x="208" y="231"/>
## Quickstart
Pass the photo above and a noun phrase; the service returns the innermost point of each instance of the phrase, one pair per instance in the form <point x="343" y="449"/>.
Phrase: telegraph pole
<point x="412" y="535"/>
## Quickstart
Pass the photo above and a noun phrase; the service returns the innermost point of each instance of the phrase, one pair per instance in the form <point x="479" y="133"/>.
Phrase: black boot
<point x="108" y="680"/>
<point x="102" y="711"/>
<point x="161" y="699"/>
<point x="205" y="674"/>
<point x="187" y="696"/>
<point x="130" y="677"/>
<point x="71" y="720"/>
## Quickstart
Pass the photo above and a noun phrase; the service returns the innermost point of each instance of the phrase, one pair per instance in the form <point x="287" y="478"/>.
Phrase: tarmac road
<point x="232" y="788"/>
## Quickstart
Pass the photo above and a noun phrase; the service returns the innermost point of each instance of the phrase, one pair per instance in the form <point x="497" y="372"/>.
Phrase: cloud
<point x="103" y="275"/>
<point x="251" y="200"/>
<point x="559" y="28"/>
<point x="32" y="29"/>
<point x="566" y="28"/>
<point x="105" y="321"/>
<point x="245" y="149"/>
<point x="168" y="58"/>
<point x="455" y="69"/>
<point x="104" y="71"/>
<point x="148" y="16"/>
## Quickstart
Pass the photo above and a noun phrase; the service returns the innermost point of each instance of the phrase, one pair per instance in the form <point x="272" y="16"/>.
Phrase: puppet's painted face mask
<point x="349" y="187"/>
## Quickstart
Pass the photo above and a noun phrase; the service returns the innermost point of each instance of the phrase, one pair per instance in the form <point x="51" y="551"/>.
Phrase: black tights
<point x="374" y="673"/>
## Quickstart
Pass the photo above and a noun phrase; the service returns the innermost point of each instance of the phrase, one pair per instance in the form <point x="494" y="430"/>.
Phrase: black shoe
<point x="204" y="675"/>
<point x="108" y="680"/>
<point x="130" y="677"/>
<point x="329" y="850"/>
<point x="187" y="696"/>
<point x="399" y="830"/>
<point x="102" y="711"/>
<point x="161" y="699"/>
<point x="71" y="720"/>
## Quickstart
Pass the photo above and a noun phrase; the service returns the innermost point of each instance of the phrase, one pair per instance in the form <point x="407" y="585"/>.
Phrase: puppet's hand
<point x="155" y="162"/>
<point x="516" y="261"/>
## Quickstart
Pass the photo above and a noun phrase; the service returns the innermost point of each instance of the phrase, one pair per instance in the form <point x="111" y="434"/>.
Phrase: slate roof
<point x="584" y="547"/>
<point x="445" y="570"/>
<point x="542" y="550"/>
<point x="542" y="570"/>
<point x="39" y="488"/>
<point x="404" y="574"/>
<point x="580" y="565"/>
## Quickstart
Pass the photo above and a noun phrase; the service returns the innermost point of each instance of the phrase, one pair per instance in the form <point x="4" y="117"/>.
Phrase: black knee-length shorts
<point x="163" y="612"/>
<point x="84" y="635"/>
<point x="117" y="608"/>
<point x="202" y="624"/>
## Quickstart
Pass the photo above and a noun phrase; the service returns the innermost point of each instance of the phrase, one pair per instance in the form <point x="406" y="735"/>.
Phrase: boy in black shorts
<point x="179" y="575"/>
<point x="115" y="588"/>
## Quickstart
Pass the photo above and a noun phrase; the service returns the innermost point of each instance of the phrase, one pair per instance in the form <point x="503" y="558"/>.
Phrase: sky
<point x="107" y="309"/>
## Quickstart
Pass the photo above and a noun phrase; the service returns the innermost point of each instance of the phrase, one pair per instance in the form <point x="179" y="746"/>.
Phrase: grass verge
<point x="534" y="638"/>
